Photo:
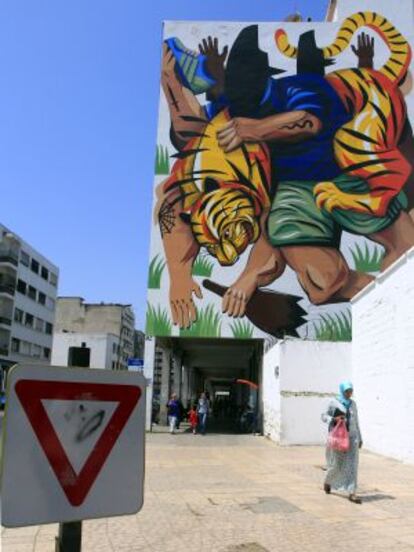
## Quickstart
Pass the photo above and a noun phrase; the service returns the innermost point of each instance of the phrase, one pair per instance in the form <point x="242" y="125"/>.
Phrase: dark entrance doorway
<point x="227" y="370"/>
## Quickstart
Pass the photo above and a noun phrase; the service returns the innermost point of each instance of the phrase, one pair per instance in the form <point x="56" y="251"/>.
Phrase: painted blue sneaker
<point x="191" y="66"/>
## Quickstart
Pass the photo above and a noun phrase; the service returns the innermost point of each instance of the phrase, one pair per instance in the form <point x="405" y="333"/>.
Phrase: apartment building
<point x="28" y="290"/>
<point x="105" y="329"/>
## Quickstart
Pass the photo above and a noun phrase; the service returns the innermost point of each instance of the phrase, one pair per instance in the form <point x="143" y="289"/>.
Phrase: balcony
<point x="5" y="321"/>
<point x="4" y="351"/>
<point x="7" y="284"/>
<point x="8" y="255"/>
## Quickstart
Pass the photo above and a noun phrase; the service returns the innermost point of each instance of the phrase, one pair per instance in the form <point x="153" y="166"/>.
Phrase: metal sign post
<point x="70" y="537"/>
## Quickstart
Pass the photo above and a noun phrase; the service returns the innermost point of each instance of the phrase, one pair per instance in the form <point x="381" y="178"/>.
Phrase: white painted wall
<point x="102" y="354"/>
<point x="149" y="359"/>
<point x="383" y="361"/>
<point x="271" y="393"/>
<point x="309" y="375"/>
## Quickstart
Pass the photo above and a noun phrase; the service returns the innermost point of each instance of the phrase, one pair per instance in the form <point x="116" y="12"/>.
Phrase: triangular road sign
<point x="76" y="486"/>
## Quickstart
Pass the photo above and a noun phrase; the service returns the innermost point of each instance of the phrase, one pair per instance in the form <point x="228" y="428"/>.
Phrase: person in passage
<point x="193" y="418"/>
<point x="342" y="472"/>
<point x="173" y="412"/>
<point x="181" y="415"/>
<point x="203" y="408"/>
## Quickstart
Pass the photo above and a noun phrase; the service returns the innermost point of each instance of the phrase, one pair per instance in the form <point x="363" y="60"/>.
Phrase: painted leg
<point x="396" y="239"/>
<point x="324" y="274"/>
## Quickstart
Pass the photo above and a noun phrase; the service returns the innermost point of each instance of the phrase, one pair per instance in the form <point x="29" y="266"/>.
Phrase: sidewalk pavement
<point x="230" y="493"/>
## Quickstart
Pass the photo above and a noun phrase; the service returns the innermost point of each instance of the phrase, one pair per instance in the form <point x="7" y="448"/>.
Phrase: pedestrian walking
<point x="181" y="413"/>
<point x="173" y="412"/>
<point x="342" y="472"/>
<point x="203" y="408"/>
<point x="193" y="418"/>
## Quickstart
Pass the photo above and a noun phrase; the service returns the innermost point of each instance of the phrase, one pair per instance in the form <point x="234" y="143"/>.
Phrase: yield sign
<point x="76" y="486"/>
<point x="73" y="444"/>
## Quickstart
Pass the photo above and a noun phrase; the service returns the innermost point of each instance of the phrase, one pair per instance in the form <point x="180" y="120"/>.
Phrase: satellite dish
<point x="295" y="17"/>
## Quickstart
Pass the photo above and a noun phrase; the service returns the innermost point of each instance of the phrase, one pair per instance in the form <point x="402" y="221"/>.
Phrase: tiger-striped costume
<point x="367" y="146"/>
<point x="222" y="194"/>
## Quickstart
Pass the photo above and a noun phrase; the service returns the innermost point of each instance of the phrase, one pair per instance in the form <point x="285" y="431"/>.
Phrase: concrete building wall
<point x="149" y="365"/>
<point x="28" y="289"/>
<point x="271" y="393"/>
<point x="299" y="378"/>
<point x="76" y="316"/>
<point x="383" y="361"/>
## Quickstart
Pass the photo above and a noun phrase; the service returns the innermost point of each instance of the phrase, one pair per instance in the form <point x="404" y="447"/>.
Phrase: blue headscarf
<point x="344" y="386"/>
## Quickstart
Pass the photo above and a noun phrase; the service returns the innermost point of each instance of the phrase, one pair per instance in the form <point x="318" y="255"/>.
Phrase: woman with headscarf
<point x="342" y="473"/>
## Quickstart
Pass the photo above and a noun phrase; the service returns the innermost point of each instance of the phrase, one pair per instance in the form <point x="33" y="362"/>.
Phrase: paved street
<point x="228" y="493"/>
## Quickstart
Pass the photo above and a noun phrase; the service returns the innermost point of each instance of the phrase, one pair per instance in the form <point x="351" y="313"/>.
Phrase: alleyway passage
<point x="230" y="493"/>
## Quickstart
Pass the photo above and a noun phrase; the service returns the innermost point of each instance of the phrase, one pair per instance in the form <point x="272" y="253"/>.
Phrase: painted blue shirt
<point x="312" y="158"/>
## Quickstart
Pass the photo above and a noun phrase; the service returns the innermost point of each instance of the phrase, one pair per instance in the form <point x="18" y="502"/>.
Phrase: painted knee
<point x="321" y="285"/>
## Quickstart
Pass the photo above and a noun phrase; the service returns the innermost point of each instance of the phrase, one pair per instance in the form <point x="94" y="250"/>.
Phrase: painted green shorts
<point x="295" y="219"/>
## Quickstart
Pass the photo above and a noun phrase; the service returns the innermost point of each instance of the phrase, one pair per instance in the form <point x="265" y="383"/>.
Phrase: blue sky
<point x="79" y="89"/>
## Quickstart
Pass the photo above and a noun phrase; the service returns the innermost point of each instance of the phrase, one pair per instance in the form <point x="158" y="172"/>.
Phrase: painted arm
<point x="264" y="265"/>
<point x="180" y="251"/>
<point x="293" y="126"/>
<point x="187" y="115"/>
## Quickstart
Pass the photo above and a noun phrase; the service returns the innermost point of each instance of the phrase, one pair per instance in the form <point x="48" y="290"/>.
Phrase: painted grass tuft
<point x="367" y="259"/>
<point x="335" y="327"/>
<point x="242" y="329"/>
<point x="156" y="268"/>
<point x="162" y="160"/>
<point x="158" y="322"/>
<point x="203" y="266"/>
<point x="208" y="324"/>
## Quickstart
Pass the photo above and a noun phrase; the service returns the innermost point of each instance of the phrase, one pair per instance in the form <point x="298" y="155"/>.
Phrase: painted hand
<point x="183" y="309"/>
<point x="364" y="50"/>
<point x="329" y="197"/>
<point x="215" y="61"/>
<point x="235" y="132"/>
<point x="238" y="295"/>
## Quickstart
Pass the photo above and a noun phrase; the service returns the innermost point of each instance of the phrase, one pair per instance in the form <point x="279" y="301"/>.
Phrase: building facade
<point x="267" y="233"/>
<point x="28" y="290"/>
<point x="107" y="329"/>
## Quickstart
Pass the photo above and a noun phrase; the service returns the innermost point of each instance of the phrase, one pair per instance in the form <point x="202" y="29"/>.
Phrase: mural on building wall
<point x="283" y="187"/>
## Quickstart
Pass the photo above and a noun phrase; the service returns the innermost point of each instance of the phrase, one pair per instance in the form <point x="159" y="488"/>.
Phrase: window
<point x="34" y="265"/>
<point x="50" y="304"/>
<point x="46" y="352"/>
<point x="53" y="279"/>
<point x="36" y="351"/>
<point x="49" y="328"/>
<point x="29" y="319"/>
<point x="24" y="348"/>
<point x="44" y="273"/>
<point x="32" y="293"/>
<point x="39" y="324"/>
<point x="18" y="316"/>
<point x="24" y="258"/>
<point x="113" y="365"/>
<point x="41" y="298"/>
<point x="15" y="345"/>
<point x="114" y="348"/>
<point x="21" y="287"/>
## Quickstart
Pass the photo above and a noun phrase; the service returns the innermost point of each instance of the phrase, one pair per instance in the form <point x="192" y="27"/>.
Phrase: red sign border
<point x="32" y="392"/>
